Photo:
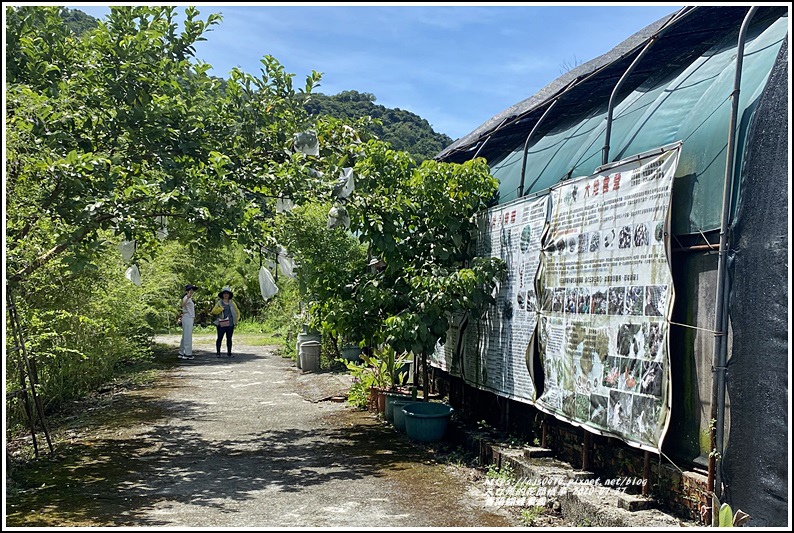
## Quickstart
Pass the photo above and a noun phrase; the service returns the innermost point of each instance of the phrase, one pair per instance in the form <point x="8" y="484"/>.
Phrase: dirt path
<point x="243" y="442"/>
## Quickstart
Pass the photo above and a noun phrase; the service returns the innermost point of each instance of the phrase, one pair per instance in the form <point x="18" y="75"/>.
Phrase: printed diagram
<point x="606" y="292"/>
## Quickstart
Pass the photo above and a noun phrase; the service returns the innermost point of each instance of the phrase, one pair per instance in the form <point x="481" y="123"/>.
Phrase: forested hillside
<point x="402" y="129"/>
<point x="78" y="21"/>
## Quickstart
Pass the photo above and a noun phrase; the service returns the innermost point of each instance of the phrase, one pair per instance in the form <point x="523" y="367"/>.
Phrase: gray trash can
<point x="304" y="336"/>
<point x="310" y="356"/>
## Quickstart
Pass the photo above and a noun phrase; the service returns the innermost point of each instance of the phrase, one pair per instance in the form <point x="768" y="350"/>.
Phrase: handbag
<point x="223" y="322"/>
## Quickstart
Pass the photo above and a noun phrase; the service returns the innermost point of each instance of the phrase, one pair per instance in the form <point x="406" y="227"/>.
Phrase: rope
<point x="711" y="246"/>
<point x="697" y="328"/>
<point x="661" y="453"/>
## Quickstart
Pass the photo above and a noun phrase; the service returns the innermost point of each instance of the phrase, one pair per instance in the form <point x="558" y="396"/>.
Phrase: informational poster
<point x="491" y="352"/>
<point x="607" y="294"/>
<point x="448" y="356"/>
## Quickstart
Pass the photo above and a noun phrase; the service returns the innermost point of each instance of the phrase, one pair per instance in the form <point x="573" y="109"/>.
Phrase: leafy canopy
<point x="121" y="129"/>
<point x="120" y="132"/>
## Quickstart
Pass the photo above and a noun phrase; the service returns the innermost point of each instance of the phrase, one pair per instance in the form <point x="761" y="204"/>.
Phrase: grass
<point x="530" y="515"/>
<point x="505" y="473"/>
<point x="140" y="373"/>
<point x="459" y="456"/>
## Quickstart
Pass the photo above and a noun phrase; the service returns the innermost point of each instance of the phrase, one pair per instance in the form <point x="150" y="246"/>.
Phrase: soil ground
<point x="247" y="441"/>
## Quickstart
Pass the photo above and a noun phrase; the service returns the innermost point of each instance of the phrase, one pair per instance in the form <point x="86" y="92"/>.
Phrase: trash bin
<point x="304" y="336"/>
<point x="351" y="353"/>
<point x="310" y="356"/>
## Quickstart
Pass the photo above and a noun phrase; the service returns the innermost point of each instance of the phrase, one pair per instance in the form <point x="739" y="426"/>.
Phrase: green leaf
<point x="726" y="515"/>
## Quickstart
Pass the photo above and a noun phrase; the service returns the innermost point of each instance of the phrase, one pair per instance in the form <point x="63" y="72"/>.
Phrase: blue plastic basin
<point x="397" y="413"/>
<point x="391" y="397"/>
<point x="426" y="421"/>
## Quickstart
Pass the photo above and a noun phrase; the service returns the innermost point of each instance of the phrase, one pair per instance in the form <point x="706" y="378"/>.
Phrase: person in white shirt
<point x="188" y="316"/>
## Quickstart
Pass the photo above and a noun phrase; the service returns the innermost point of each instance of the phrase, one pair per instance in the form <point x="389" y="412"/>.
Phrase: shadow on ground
<point x="101" y="476"/>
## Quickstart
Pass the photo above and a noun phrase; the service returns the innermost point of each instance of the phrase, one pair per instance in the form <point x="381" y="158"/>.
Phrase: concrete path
<point x="247" y="442"/>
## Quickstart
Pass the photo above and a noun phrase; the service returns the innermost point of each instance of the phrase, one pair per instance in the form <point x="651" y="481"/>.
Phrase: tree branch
<point x="45" y="206"/>
<point x="43" y="259"/>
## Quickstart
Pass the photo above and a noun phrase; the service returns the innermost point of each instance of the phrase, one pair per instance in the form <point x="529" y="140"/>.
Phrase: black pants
<point x="228" y="331"/>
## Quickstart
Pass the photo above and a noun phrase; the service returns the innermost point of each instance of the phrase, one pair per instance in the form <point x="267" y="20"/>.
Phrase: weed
<point x="531" y="514"/>
<point x="515" y="442"/>
<point x="494" y="472"/>
<point x="460" y="457"/>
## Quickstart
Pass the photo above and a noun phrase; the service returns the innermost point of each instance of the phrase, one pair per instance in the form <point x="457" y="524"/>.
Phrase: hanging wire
<point x="661" y="454"/>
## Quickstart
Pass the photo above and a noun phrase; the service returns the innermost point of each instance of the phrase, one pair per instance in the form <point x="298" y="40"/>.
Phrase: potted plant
<point x="388" y="369"/>
<point x="381" y="379"/>
<point x="362" y="393"/>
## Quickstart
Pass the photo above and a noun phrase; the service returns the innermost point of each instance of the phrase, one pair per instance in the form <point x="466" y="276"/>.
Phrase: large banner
<point x="492" y="352"/>
<point x="607" y="294"/>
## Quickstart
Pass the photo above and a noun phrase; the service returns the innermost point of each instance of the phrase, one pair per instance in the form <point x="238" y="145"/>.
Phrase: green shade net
<point x="691" y="103"/>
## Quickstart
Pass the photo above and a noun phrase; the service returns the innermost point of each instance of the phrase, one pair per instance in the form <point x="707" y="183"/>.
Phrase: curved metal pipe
<point x="489" y="138"/>
<point x="721" y="319"/>
<point x="526" y="146"/>
<point x="611" y="108"/>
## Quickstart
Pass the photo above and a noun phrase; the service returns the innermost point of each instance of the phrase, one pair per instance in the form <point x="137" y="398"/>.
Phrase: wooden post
<point x="543" y="433"/>
<point x="34" y="381"/>
<point x="646" y="474"/>
<point x="425" y="384"/>
<point x="28" y="409"/>
<point x="588" y="443"/>
<point x="415" y="378"/>
<point x="27" y="368"/>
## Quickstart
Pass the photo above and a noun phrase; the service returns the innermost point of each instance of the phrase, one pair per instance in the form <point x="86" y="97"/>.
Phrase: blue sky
<point x="454" y="65"/>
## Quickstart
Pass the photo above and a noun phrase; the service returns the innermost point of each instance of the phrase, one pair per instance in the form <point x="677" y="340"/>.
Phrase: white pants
<point x="186" y="345"/>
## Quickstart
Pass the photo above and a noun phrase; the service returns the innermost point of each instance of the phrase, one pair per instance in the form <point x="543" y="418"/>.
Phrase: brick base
<point x="681" y="492"/>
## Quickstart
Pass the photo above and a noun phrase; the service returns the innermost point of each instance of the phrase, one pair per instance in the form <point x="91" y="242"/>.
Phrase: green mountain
<point x="402" y="129"/>
<point x="78" y="21"/>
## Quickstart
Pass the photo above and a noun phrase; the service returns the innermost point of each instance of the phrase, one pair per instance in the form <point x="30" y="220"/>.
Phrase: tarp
<point x="756" y="474"/>
<point x="689" y="102"/>
<point x="607" y="292"/>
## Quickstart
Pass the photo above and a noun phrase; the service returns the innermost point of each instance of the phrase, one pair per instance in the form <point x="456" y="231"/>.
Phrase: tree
<point x="121" y="134"/>
<point x="331" y="262"/>
<point x="421" y="221"/>
<point x="122" y="130"/>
